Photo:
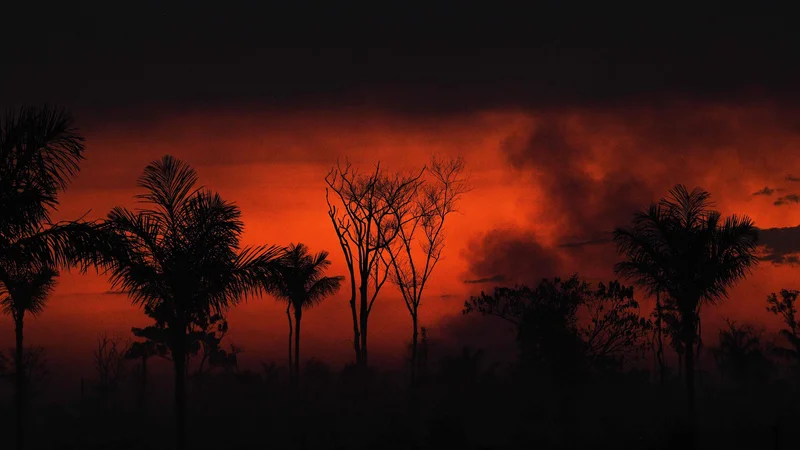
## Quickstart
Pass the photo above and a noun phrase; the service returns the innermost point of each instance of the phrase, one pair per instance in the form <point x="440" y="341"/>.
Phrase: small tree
<point x="109" y="361"/>
<point x="303" y="284"/>
<point x="784" y="305"/>
<point x="366" y="224"/>
<point x="549" y="329"/>
<point x="420" y="238"/>
<point x="740" y="354"/>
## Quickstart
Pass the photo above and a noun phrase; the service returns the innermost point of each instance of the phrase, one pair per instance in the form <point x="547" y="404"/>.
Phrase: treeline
<point x="178" y="257"/>
<point x="178" y="254"/>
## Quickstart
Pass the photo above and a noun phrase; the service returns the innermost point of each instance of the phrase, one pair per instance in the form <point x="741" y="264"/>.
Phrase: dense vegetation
<point x="593" y="368"/>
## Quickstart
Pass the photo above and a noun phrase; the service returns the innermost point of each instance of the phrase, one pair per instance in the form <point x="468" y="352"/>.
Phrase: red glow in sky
<point x="584" y="172"/>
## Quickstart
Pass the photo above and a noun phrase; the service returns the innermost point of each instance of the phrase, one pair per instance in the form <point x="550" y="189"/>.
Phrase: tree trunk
<point x="364" y="354"/>
<point x="414" y="346"/>
<point x="179" y="362"/>
<point x="291" y="368"/>
<point x="21" y="384"/>
<point x="356" y="331"/>
<point x="143" y="396"/>
<point x="298" y="314"/>
<point x="660" y="343"/>
<point x="362" y="318"/>
<point x="688" y="354"/>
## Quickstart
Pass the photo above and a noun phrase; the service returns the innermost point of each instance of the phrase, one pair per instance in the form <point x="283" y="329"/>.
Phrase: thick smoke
<point x="596" y="168"/>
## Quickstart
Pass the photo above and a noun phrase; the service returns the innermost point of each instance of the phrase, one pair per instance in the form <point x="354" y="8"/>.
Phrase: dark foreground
<point x="461" y="405"/>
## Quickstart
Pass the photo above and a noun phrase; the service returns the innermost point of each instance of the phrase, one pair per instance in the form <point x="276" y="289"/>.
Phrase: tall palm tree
<point x="40" y="152"/>
<point x="684" y="249"/>
<point x="179" y="256"/>
<point x="303" y="284"/>
<point x="25" y="290"/>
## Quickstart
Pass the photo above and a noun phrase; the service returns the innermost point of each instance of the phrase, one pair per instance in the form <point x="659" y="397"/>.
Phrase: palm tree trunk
<point x="688" y="354"/>
<point x="179" y="362"/>
<point x="291" y="367"/>
<point x="298" y="314"/>
<point x="20" y="382"/>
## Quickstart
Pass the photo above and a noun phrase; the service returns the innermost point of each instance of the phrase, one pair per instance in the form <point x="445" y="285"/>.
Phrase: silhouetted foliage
<point x="302" y="284"/>
<point x="550" y="334"/>
<point x="420" y="235"/>
<point x="785" y="307"/>
<point x="180" y="256"/>
<point x="40" y="152"/>
<point x="109" y="361"/>
<point x="366" y="225"/>
<point x="683" y="248"/>
<point x="35" y="367"/>
<point x="740" y="354"/>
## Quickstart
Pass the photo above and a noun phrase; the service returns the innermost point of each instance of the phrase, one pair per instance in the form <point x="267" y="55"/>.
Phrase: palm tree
<point x="24" y="291"/>
<point x="40" y="152"/>
<point x="303" y="284"/>
<point x="179" y="257"/>
<point x="684" y="249"/>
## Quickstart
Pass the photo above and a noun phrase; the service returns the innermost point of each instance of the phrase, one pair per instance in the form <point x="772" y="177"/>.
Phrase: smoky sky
<point x="112" y="60"/>
<point x="593" y="169"/>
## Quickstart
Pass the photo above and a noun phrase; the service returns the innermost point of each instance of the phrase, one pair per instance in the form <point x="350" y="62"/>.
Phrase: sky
<point x="569" y="121"/>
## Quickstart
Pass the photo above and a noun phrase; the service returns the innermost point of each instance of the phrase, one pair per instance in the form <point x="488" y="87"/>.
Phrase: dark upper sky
<point x="112" y="57"/>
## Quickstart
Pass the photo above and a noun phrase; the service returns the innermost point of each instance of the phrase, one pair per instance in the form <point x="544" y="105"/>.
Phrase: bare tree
<point x="365" y="222"/>
<point x="109" y="361"/>
<point x="420" y="236"/>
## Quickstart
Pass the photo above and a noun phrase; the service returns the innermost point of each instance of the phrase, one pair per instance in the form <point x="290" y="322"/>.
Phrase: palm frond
<point x="322" y="288"/>
<point x="41" y="145"/>
<point x="168" y="183"/>
<point x="680" y="246"/>
<point x="27" y="290"/>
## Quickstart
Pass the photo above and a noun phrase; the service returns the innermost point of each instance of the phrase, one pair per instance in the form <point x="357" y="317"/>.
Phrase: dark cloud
<point x="593" y="169"/>
<point x="781" y="245"/>
<point x="792" y="178"/>
<point x="766" y="191"/>
<point x="588" y="207"/>
<point x="588" y="242"/>
<point x="511" y="256"/>
<point x="786" y="199"/>
<point x="493" y="279"/>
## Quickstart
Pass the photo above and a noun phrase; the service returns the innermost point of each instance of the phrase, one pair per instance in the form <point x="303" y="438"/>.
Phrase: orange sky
<point x="273" y="166"/>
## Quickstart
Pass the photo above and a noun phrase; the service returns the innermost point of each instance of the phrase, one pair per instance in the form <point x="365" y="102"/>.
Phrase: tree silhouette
<point x="366" y="226"/>
<point x="302" y="284"/>
<point x="423" y="350"/>
<point x="26" y="292"/>
<point x="414" y="257"/>
<point x="785" y="307"/>
<point x="180" y="256"/>
<point x="40" y="152"/>
<point x="142" y="351"/>
<point x="681" y="247"/>
<point x="658" y="336"/>
<point x="740" y="353"/>
<point x="549" y="329"/>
